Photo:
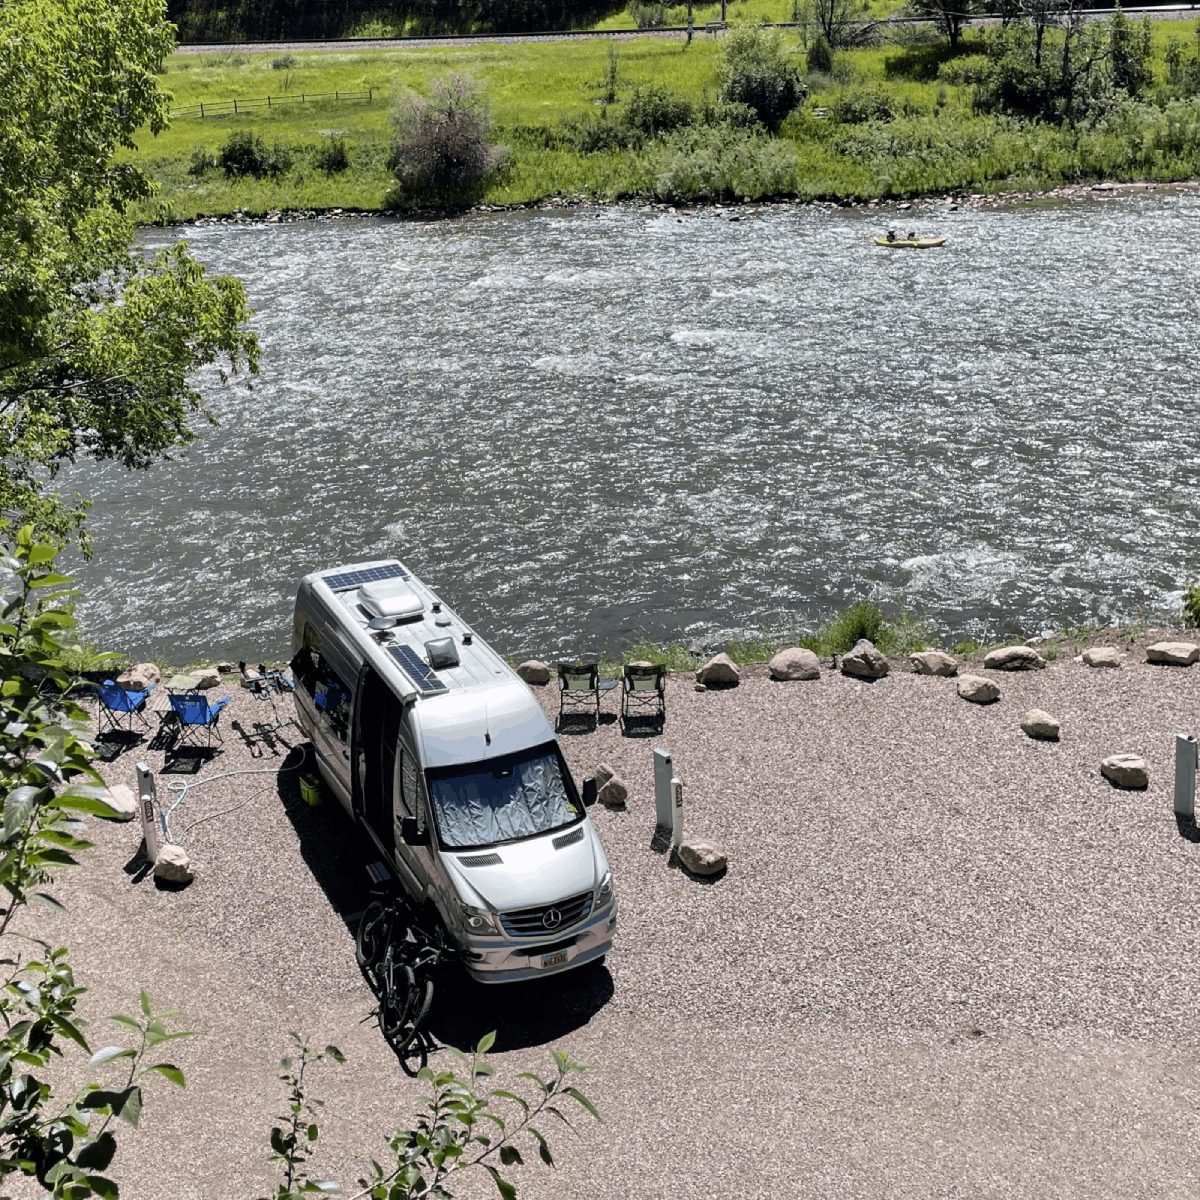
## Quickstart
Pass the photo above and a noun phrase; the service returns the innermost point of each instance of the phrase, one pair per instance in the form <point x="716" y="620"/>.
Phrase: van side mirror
<point x="411" y="835"/>
<point x="589" y="791"/>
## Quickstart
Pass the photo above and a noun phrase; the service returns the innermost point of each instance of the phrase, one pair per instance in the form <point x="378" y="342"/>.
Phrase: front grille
<point x="532" y="922"/>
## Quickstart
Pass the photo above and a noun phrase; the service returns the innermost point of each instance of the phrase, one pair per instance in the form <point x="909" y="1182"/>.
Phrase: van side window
<point x="306" y="664"/>
<point x="410" y="796"/>
<point x="332" y="700"/>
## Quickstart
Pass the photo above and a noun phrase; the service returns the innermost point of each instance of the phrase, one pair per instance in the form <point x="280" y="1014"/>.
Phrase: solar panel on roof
<point x="417" y="670"/>
<point x="353" y="579"/>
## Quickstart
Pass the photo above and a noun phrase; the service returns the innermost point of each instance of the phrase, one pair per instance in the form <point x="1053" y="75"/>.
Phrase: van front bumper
<point x="511" y="960"/>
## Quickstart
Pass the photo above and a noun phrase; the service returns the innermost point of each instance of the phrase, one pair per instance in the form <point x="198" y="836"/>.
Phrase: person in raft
<point x="891" y="235"/>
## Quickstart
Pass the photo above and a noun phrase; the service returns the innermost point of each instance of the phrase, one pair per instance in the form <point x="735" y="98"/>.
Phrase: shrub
<point x="865" y="619"/>
<point x="201" y="161"/>
<point x="819" y="59"/>
<point x="967" y="70"/>
<point x="755" y="72"/>
<point x="858" y="107"/>
<point x="331" y="156"/>
<point x="648" y="15"/>
<point x="441" y="149"/>
<point x="245" y="153"/>
<point x="285" y="62"/>
<point x="591" y="137"/>
<point x="727" y="112"/>
<point x="652" y="109"/>
<point x="1190" y="613"/>
<point x="721" y="162"/>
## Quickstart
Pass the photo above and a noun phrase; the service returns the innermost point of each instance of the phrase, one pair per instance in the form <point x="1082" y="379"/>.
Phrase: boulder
<point x="207" y="677"/>
<point x="977" y="689"/>
<point x="721" y="670"/>
<point x="1013" y="658"/>
<point x="1040" y="724"/>
<point x="122" y="801"/>
<point x="1173" y="654"/>
<point x="535" y="672"/>
<point x="1101" y="656"/>
<point x="702" y="857"/>
<point x="935" y="662"/>
<point x="864" y="661"/>
<point x="1126" y="770"/>
<point x="140" y="678"/>
<point x="173" y="865"/>
<point x="614" y="793"/>
<point x="227" y="668"/>
<point x="602" y="774"/>
<point x="794" y="663"/>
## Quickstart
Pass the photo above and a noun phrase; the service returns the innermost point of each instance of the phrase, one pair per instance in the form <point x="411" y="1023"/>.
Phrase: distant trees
<point x="1052" y="65"/>
<point x="948" y="15"/>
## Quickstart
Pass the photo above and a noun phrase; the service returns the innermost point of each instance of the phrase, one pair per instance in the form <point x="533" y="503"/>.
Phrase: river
<point x="589" y="425"/>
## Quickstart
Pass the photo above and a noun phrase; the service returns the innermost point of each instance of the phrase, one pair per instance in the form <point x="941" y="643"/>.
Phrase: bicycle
<point x="398" y="958"/>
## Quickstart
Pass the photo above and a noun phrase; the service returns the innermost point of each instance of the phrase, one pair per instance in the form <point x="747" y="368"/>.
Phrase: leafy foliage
<point x="1190" y="612"/>
<point x="245" y="153"/>
<point x="441" y="151"/>
<point x="720" y="163"/>
<point x="648" y="15"/>
<point x="331" y="156"/>
<point x="460" y="1126"/>
<point x="97" y="340"/>
<point x="652" y="109"/>
<point x="46" y="779"/>
<point x="755" y="72"/>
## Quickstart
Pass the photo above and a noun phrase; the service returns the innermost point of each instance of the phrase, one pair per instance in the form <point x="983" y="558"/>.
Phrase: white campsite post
<point x="145" y="789"/>
<point x="1185" y="775"/>
<point x="668" y="799"/>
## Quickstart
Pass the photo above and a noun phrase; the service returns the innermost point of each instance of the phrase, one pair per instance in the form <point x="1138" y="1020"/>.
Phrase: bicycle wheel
<point x="399" y="991"/>
<point x="421" y="998"/>
<point x="371" y="941"/>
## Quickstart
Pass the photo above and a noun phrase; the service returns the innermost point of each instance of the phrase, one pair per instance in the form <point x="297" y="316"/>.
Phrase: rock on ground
<point x="1101" y="656"/>
<point x="1173" y="654"/>
<point x="1040" y="724"/>
<point x="207" y="677"/>
<point x="864" y="661"/>
<point x="614" y="793"/>
<point x="173" y="865"/>
<point x="602" y="774"/>
<point x="935" y="662"/>
<point x="140" y="677"/>
<point x="122" y="801"/>
<point x="1013" y="658"/>
<point x="721" y="670"/>
<point x="794" y="663"/>
<point x="977" y="689"/>
<point x="535" y="672"/>
<point x="702" y="857"/>
<point x="1126" y="770"/>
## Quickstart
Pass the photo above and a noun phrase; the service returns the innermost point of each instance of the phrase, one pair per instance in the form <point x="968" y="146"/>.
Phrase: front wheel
<point x="370" y="943"/>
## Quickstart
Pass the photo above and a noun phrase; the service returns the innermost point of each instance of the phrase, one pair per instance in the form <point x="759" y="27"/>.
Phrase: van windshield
<point x="503" y="799"/>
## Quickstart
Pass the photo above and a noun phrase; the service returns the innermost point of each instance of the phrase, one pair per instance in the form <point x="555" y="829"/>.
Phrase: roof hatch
<point x="390" y="598"/>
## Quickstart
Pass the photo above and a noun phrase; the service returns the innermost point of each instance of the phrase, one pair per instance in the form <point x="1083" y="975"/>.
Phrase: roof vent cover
<point x="442" y="653"/>
<point x="390" y="598"/>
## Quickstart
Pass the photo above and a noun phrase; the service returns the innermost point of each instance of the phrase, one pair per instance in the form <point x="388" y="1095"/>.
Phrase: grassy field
<point x="926" y="138"/>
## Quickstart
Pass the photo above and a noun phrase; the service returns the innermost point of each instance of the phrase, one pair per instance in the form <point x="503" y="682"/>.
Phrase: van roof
<point x="471" y="704"/>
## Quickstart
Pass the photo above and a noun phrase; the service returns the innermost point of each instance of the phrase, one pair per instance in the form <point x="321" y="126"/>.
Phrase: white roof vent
<point x="390" y="598"/>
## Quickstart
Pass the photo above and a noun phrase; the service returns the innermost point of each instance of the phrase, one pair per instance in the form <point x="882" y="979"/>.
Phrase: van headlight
<point x="477" y="920"/>
<point x="604" y="893"/>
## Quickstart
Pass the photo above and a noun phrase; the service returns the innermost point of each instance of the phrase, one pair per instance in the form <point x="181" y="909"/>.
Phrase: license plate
<point x="554" y="959"/>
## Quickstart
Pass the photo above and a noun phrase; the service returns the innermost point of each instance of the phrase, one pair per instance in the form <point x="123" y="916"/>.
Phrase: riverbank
<point x="933" y="929"/>
<point x="889" y="124"/>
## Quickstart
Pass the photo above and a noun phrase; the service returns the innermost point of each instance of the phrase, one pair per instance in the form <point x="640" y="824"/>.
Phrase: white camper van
<point x="445" y="757"/>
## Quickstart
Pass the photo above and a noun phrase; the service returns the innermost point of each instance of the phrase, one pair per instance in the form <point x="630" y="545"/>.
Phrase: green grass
<point x="933" y="143"/>
<point x="902" y="634"/>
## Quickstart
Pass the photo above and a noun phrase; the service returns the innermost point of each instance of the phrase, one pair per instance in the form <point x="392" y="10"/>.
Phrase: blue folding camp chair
<point x="119" y="707"/>
<point x="194" y="713"/>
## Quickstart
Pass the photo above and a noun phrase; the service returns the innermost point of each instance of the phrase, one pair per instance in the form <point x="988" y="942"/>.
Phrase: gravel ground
<point x="946" y="960"/>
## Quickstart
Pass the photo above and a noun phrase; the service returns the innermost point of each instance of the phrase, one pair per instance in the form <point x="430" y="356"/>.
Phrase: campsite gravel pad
<point x="946" y="960"/>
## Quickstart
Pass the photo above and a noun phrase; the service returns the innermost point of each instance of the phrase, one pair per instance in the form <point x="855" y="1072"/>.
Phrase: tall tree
<point x="98" y="341"/>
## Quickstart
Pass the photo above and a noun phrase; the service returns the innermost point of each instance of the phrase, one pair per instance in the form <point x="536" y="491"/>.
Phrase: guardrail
<point x="225" y="108"/>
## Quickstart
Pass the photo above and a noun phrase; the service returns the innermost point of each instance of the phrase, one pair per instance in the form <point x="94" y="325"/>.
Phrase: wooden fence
<point x="227" y="108"/>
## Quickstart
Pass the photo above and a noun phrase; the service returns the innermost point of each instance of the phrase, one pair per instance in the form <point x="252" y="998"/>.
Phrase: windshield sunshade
<point x="501" y="801"/>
